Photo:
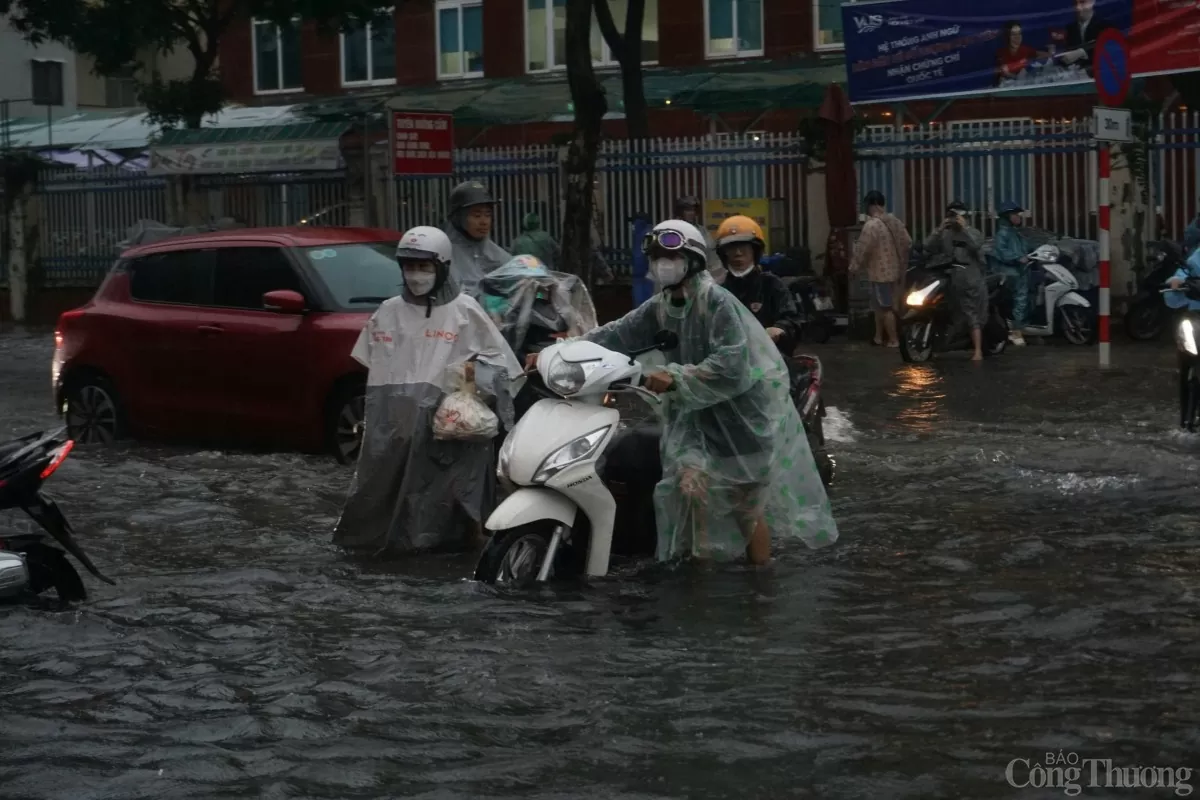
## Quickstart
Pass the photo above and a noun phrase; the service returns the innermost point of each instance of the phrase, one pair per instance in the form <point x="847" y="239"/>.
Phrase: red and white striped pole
<point x="1105" y="195"/>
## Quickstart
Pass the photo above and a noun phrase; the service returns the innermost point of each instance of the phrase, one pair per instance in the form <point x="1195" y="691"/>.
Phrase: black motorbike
<point x="933" y="324"/>
<point x="811" y="293"/>
<point x="1147" y="315"/>
<point x="1187" y="343"/>
<point x="30" y="564"/>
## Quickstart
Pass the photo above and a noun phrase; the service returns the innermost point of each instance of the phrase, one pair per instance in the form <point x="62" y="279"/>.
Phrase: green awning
<point x="748" y="86"/>
<point x="303" y="131"/>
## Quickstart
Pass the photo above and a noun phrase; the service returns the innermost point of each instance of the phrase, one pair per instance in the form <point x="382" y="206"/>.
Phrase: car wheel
<point x="94" y="414"/>
<point x="344" y="423"/>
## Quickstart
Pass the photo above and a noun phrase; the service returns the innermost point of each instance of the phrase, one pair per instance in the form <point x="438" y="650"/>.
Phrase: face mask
<point x="668" y="271"/>
<point x="419" y="283"/>
<point x="742" y="273"/>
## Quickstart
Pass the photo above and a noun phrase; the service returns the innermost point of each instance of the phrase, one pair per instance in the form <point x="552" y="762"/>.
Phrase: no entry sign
<point x="1112" y="69"/>
<point x="422" y="143"/>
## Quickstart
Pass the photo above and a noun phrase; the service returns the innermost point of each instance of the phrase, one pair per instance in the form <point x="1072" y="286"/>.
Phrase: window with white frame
<point x="277" y="57"/>
<point x="369" y="53"/>
<point x="827" y="24"/>
<point x="546" y="34"/>
<point x="460" y="38"/>
<point x="734" y="27"/>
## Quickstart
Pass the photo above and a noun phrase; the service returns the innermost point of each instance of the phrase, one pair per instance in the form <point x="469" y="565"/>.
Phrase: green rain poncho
<point x="733" y="443"/>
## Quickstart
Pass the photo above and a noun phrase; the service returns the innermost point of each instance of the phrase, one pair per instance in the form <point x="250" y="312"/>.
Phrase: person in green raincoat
<point x="737" y="469"/>
<point x="535" y="242"/>
<point x="1010" y="258"/>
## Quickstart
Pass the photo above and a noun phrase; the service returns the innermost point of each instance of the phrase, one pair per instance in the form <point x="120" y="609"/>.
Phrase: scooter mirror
<point x="666" y="340"/>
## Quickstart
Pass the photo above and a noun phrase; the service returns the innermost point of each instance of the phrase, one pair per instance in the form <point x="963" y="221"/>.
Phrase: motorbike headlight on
<point x="919" y="297"/>
<point x="570" y="453"/>
<point x="1186" y="337"/>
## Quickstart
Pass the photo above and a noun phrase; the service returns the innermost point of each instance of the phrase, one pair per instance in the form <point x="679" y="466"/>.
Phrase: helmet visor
<point x="412" y="254"/>
<point x="663" y="240"/>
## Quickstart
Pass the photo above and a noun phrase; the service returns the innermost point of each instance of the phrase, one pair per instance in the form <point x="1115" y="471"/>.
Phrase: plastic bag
<point x="462" y="416"/>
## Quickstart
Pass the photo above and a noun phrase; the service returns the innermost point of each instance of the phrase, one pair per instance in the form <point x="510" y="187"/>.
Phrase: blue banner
<point x="912" y="49"/>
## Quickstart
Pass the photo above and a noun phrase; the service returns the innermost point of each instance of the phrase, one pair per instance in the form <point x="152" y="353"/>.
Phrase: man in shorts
<point x="882" y="249"/>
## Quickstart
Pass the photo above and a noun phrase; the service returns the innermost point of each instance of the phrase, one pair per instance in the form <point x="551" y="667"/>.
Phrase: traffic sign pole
<point x="1105" y="255"/>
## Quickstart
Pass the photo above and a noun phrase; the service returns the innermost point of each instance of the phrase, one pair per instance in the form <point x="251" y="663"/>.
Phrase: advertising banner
<point x="1166" y="36"/>
<point x="216" y="159"/>
<point x="909" y="49"/>
<point x="422" y="143"/>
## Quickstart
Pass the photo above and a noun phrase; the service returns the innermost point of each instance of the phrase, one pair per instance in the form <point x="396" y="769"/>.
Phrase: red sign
<point x="1165" y="37"/>
<point x="422" y="143"/>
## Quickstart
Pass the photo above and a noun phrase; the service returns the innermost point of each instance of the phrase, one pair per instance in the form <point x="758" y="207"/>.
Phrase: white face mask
<point x="743" y="273"/>
<point x="419" y="283"/>
<point x="668" y="271"/>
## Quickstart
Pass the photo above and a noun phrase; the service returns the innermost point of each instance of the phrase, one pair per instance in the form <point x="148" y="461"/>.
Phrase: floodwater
<point x="1018" y="574"/>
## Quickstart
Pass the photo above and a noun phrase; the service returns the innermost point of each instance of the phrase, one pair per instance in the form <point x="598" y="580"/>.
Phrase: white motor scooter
<point x="1058" y="303"/>
<point x="565" y="456"/>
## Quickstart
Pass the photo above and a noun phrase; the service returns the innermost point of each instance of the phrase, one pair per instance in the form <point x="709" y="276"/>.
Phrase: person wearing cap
<point x="955" y="241"/>
<point x="535" y="242"/>
<point x="740" y="247"/>
<point x="1010" y="258"/>
<point x="882" y="249"/>
<point x="688" y="209"/>
<point x="737" y="469"/>
<point x="469" y="226"/>
<point x="411" y="492"/>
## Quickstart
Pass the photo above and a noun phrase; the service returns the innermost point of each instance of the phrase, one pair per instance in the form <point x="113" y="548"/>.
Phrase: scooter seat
<point x="633" y="458"/>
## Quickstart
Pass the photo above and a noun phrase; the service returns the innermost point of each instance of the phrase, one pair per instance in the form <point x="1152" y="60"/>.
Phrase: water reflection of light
<point x="922" y="387"/>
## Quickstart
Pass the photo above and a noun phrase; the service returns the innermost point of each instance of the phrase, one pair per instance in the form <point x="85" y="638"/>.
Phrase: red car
<point x="241" y="335"/>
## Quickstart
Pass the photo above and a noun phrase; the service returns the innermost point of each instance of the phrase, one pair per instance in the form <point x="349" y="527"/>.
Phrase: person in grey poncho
<point x="469" y="227"/>
<point x="412" y="492"/>
<point x="955" y="241"/>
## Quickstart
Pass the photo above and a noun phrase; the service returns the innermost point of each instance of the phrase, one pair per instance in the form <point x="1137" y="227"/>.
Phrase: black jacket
<point x="770" y="302"/>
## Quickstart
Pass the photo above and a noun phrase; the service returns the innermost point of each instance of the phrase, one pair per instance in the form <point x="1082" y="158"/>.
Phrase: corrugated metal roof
<point x="262" y="133"/>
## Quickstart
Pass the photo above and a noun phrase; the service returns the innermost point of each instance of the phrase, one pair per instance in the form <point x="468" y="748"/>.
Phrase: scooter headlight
<point x="571" y="453"/>
<point x="1185" y="337"/>
<point x="919" y="297"/>
<point x="505" y="455"/>
<point x="566" y="377"/>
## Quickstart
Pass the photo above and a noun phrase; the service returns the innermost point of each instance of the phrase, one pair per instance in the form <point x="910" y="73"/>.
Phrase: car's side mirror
<point x="284" y="301"/>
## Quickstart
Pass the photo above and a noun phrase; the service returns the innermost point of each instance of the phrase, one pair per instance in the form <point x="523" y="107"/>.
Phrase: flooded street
<point x="1018" y="574"/>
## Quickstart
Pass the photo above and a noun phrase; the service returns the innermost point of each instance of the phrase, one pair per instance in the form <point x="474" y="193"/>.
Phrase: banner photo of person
<point x="912" y="49"/>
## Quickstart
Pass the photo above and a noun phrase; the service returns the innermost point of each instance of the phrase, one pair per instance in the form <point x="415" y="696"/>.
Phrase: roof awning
<point x="749" y="86"/>
<point x="298" y="147"/>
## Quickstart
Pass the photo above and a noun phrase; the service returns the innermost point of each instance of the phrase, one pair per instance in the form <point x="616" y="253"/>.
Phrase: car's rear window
<point x="358" y="275"/>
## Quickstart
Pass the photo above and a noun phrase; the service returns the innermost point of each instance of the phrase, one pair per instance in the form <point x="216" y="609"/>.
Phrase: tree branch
<point x="608" y="29"/>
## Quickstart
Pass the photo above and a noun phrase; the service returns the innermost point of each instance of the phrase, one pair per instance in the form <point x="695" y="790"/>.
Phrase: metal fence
<point x="1046" y="166"/>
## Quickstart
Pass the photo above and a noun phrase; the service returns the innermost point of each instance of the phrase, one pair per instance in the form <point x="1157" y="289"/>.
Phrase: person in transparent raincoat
<point x="737" y="469"/>
<point x="412" y="492"/>
<point x="469" y="226"/>
<point x="525" y="293"/>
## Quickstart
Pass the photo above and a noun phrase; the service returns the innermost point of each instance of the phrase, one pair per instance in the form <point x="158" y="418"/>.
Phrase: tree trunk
<point x="637" y="112"/>
<point x="590" y="107"/>
<point x="627" y="50"/>
<point x="18" y="272"/>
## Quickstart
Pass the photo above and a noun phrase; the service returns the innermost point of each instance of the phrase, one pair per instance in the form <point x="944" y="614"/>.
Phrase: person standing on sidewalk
<point x="882" y="249"/>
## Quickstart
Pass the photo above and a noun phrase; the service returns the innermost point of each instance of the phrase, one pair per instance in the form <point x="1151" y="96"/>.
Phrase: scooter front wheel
<point x="916" y="342"/>
<point x="513" y="558"/>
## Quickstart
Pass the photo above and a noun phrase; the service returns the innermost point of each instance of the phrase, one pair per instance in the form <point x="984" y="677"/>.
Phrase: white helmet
<point x="676" y="235"/>
<point x="425" y="243"/>
<point x="1046" y="254"/>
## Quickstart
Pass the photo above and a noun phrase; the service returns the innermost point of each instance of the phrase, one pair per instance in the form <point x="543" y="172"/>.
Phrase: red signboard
<point x="1165" y="36"/>
<point x="422" y="143"/>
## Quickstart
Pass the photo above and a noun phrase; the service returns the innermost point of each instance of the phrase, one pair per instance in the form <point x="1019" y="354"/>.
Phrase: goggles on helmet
<point x="663" y="240"/>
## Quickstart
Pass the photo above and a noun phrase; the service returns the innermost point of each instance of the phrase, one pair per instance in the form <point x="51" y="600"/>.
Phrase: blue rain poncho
<point x="733" y="444"/>
<point x="525" y="292"/>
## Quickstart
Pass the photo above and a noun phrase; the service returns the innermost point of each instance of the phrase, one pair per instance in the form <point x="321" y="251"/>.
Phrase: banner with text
<point x="1166" y="36"/>
<point x="910" y="49"/>
<point x="422" y="143"/>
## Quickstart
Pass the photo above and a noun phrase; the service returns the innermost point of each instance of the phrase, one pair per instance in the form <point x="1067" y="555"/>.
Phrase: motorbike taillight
<point x="59" y="457"/>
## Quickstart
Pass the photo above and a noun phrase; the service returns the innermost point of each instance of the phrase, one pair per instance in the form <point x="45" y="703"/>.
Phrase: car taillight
<point x="58" y="459"/>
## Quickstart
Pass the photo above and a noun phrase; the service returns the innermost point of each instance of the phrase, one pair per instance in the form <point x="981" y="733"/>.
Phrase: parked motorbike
<point x="933" y="323"/>
<point x="1057" y="303"/>
<point x="807" y="376"/>
<point x="1148" y="314"/>
<point x="30" y="564"/>
<point x="811" y="293"/>
<point x="1187" y="332"/>
<point x="582" y="482"/>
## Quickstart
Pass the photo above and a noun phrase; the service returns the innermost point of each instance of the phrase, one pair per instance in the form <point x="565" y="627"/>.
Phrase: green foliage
<point x="1136" y="154"/>
<point x="114" y="33"/>
<point x="813" y="131"/>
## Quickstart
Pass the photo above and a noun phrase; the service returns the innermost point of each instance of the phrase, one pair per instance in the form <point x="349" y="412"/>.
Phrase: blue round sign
<point x="1111" y="67"/>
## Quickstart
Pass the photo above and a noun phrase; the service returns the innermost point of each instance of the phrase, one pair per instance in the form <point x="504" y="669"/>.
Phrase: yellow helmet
<point x="740" y="229"/>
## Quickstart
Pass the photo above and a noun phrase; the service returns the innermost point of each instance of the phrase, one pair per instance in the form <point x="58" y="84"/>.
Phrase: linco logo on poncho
<point x="445" y="336"/>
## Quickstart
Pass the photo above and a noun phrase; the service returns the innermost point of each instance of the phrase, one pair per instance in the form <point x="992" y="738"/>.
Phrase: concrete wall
<point x="92" y="88"/>
<point x="16" y="80"/>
